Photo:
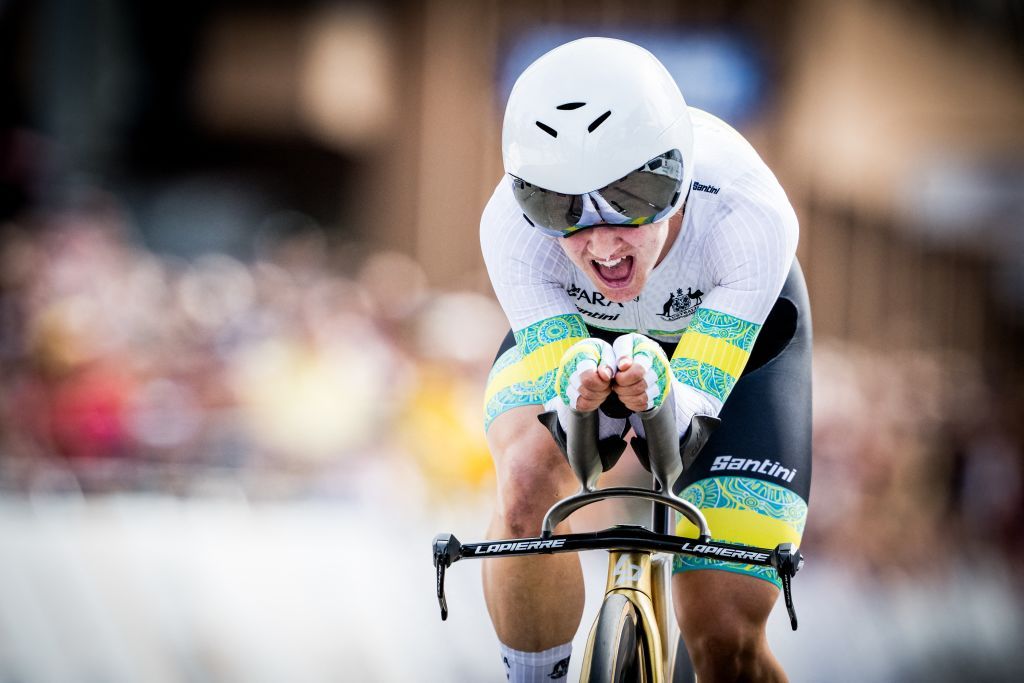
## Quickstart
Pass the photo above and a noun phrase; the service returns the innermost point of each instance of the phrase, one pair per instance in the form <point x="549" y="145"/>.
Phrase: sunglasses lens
<point x="641" y="197"/>
<point x="644" y="194"/>
<point x="546" y="209"/>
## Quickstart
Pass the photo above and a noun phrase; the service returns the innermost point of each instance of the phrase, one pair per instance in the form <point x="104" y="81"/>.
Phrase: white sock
<point x="536" y="667"/>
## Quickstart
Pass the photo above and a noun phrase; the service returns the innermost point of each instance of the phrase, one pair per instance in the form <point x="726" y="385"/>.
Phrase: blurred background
<point x="245" y="325"/>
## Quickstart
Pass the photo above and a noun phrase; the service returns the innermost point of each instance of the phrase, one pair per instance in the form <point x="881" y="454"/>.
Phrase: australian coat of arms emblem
<point x="681" y="304"/>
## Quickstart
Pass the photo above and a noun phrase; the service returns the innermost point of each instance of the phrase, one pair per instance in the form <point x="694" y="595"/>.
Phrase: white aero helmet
<point x="596" y="132"/>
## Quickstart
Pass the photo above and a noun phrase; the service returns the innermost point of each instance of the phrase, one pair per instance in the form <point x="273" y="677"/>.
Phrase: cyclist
<point x="635" y="244"/>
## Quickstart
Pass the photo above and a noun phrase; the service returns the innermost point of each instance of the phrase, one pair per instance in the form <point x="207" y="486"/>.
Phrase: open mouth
<point x="615" y="272"/>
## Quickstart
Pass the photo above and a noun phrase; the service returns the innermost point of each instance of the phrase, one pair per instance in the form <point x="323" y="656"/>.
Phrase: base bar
<point x="624" y="538"/>
<point x="785" y="558"/>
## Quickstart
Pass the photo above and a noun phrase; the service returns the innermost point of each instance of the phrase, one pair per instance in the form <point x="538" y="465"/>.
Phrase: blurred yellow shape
<point x="442" y="428"/>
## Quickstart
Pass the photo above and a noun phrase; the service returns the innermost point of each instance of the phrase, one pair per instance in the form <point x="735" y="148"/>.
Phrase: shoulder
<point x="501" y="214"/>
<point x="509" y="242"/>
<point x="731" y="179"/>
<point x="720" y="151"/>
<point x="739" y="212"/>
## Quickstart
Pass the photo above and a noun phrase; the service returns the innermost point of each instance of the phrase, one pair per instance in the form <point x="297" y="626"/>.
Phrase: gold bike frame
<point x="644" y="579"/>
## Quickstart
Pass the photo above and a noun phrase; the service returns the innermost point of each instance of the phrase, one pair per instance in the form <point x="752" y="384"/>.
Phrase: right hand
<point x="585" y="373"/>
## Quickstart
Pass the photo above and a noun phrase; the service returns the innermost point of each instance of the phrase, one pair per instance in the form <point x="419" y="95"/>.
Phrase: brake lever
<point x="440" y="591"/>
<point x="447" y="549"/>
<point x="788" y="561"/>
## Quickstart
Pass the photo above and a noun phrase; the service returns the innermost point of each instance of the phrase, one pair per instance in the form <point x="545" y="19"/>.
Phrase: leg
<point x="535" y="602"/>
<point x="752" y="482"/>
<point x="723" y="615"/>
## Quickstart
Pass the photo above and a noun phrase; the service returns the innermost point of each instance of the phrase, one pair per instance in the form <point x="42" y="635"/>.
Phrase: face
<point x="619" y="260"/>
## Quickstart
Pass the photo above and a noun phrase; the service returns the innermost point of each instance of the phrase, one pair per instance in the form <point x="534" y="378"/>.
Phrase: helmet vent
<point x="547" y="129"/>
<point x="569" y="106"/>
<point x="598" y="121"/>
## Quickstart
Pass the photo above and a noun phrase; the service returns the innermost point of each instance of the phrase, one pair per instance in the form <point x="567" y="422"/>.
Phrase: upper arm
<point x="528" y="272"/>
<point x="748" y="253"/>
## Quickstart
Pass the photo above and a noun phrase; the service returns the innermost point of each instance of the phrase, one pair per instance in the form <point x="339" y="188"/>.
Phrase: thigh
<point x="520" y="443"/>
<point x="752" y="479"/>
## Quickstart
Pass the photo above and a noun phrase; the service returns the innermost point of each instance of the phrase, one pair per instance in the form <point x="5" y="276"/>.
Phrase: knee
<point x="724" y="650"/>
<point x="531" y="478"/>
<point x="723" y="617"/>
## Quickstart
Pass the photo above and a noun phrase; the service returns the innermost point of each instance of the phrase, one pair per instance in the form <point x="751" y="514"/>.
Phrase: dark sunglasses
<point x="644" y="196"/>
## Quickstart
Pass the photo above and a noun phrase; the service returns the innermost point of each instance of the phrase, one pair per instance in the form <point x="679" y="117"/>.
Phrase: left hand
<point x="644" y="376"/>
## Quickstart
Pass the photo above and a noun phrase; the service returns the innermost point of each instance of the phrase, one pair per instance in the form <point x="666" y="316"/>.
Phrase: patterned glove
<point x="647" y="353"/>
<point x="589" y="354"/>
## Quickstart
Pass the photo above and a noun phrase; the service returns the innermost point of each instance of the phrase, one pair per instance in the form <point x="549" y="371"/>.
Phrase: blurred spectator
<point x="890" y="484"/>
<point x="113" y="354"/>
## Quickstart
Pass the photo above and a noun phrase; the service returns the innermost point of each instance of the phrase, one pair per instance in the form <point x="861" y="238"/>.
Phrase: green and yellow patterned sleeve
<point x="712" y="353"/>
<point x="525" y="374"/>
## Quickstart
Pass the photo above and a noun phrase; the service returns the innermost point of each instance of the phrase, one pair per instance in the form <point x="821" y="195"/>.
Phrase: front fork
<point x="646" y="582"/>
<point x="661" y="596"/>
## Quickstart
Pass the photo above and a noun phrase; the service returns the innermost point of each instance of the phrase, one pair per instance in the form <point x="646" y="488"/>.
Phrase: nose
<point x="604" y="241"/>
